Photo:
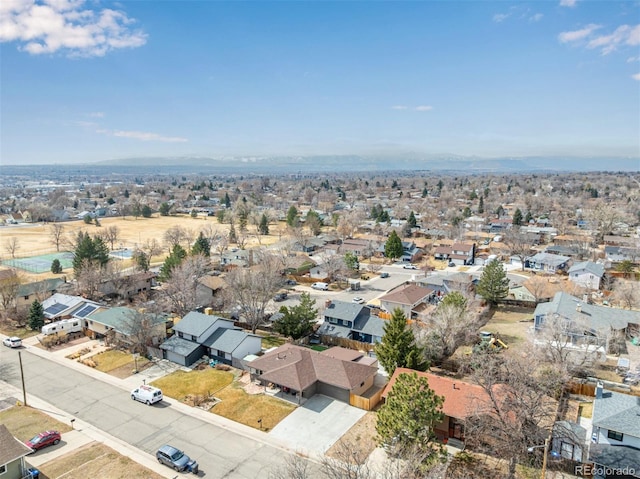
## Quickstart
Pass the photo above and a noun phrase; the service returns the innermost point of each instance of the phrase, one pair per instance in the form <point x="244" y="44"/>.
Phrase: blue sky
<point x="88" y="81"/>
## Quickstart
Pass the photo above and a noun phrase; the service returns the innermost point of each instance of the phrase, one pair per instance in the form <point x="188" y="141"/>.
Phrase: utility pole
<point x="547" y="441"/>
<point x="24" y="391"/>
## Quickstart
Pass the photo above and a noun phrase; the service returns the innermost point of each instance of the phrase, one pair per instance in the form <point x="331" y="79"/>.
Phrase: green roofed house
<point x="119" y="324"/>
<point x="40" y="290"/>
<point x="12" y="453"/>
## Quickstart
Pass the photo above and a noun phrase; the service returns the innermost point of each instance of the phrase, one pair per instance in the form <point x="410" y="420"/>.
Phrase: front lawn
<point x="95" y="460"/>
<point x="10" y="328"/>
<point x="205" y="382"/>
<point x="25" y="422"/>
<point x="237" y="405"/>
<point x="117" y="361"/>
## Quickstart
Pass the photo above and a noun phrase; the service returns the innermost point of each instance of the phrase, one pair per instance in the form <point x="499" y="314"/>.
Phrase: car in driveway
<point x="175" y="458"/>
<point x="384" y="274"/>
<point x="44" y="439"/>
<point x="13" y="342"/>
<point x="451" y="264"/>
<point x="409" y="266"/>
<point x="280" y="297"/>
<point x="357" y="299"/>
<point x="320" y="286"/>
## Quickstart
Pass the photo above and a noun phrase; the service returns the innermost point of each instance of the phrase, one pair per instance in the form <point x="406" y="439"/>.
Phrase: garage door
<point x="176" y="358"/>
<point x="334" y="392"/>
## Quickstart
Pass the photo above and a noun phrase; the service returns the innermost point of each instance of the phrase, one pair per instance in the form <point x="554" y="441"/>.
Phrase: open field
<point x="25" y="422"/>
<point x="35" y="239"/>
<point x="95" y="460"/>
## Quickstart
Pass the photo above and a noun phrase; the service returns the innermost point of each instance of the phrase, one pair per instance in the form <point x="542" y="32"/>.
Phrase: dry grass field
<point x="36" y="239"/>
<point x="25" y="422"/>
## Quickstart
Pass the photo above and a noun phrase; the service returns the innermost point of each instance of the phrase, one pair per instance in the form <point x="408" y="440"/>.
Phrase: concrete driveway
<point x="316" y="425"/>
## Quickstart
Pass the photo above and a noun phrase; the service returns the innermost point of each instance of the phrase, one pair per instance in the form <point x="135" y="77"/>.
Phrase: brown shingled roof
<point x="298" y="368"/>
<point x="408" y="294"/>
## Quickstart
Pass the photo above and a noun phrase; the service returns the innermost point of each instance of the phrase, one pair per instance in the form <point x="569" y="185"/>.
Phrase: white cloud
<point x="636" y="76"/>
<point x="48" y="26"/>
<point x="577" y="35"/>
<point x="633" y="59"/>
<point x="568" y="3"/>
<point x="536" y="18"/>
<point x="501" y="17"/>
<point x="142" y="136"/>
<point x="424" y="108"/>
<point x="399" y="107"/>
<point x="623" y="35"/>
<point x="96" y="114"/>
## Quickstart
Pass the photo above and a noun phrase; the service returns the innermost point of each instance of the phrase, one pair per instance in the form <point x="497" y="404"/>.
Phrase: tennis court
<point x="42" y="263"/>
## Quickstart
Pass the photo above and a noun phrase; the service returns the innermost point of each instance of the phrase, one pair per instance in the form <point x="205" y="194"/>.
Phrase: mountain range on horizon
<point x="353" y="163"/>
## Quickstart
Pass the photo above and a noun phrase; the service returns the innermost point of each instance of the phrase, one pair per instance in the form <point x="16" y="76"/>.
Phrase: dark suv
<point x="173" y="457"/>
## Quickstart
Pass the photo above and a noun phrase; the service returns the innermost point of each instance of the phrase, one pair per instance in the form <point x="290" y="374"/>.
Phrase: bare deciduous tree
<point x="12" y="245"/>
<point x="350" y="462"/>
<point x="9" y="286"/>
<point x="181" y="288"/>
<point x="519" y="243"/>
<point x="111" y="235"/>
<point x="88" y="278"/>
<point x="627" y="293"/>
<point x="141" y="328"/>
<point x="251" y="289"/>
<point x="56" y="233"/>
<point x="175" y="235"/>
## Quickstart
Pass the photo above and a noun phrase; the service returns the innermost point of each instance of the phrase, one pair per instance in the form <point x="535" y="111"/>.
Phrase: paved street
<point x="221" y="450"/>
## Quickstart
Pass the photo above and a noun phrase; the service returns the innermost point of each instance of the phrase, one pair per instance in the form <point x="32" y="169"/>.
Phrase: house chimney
<point x="208" y="311"/>
<point x="327" y="303"/>
<point x="578" y="307"/>
<point x="599" y="388"/>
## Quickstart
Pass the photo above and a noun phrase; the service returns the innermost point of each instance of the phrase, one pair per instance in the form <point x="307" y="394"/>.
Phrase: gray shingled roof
<point x="548" y="258"/>
<point x="179" y="346"/>
<point x="372" y="325"/>
<point x="10" y="448"/>
<point x="343" y="310"/>
<point x="618" y="412"/>
<point x="589" y="266"/>
<point x="226" y="340"/>
<point x="598" y="317"/>
<point x="195" y="323"/>
<point x="335" y="330"/>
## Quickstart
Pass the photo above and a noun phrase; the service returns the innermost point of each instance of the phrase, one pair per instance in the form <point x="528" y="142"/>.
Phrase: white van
<point x="320" y="286"/>
<point x="147" y="394"/>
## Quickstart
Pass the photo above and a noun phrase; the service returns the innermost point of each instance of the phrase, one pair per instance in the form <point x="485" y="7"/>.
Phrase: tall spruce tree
<point x="36" y="316"/>
<point x="201" y="246"/>
<point x="393" y="246"/>
<point x="178" y="254"/>
<point x="263" y="227"/>
<point x="517" y="218"/>
<point x="87" y="248"/>
<point x="407" y="420"/>
<point x="298" y="320"/>
<point x="398" y="348"/>
<point x="494" y="284"/>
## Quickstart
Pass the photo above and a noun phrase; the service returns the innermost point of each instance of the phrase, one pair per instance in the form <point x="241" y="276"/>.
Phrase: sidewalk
<point x="157" y="370"/>
<point x="82" y="434"/>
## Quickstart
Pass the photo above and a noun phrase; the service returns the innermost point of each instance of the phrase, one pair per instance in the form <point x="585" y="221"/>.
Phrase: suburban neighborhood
<point x="436" y="326"/>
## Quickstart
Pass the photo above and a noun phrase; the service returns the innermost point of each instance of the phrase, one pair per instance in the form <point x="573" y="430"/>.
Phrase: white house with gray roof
<point x="586" y="274"/>
<point x="616" y="432"/>
<point x="584" y="322"/>
<point x="548" y="262"/>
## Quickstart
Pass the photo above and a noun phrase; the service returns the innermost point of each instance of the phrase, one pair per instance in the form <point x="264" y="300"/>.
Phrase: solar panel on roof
<point x="55" y="308"/>
<point x="88" y="309"/>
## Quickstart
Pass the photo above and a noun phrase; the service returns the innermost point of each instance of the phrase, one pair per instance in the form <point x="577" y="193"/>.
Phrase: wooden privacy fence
<point x="366" y="403"/>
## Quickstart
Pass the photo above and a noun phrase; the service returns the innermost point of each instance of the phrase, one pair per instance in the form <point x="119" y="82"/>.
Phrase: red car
<point x="43" y="439"/>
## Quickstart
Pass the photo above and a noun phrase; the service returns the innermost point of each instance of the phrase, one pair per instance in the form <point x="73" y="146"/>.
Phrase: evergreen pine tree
<point x="407" y="420"/>
<point x="56" y="267"/>
<point x="233" y="237"/>
<point x="263" y="227"/>
<point x="201" y="246"/>
<point x="36" y="316"/>
<point x="517" y="218"/>
<point x="412" y="220"/>
<point x="174" y="259"/>
<point x="398" y="348"/>
<point x="481" y="205"/>
<point x="298" y="320"/>
<point x="494" y="284"/>
<point x="292" y="216"/>
<point x="393" y="247"/>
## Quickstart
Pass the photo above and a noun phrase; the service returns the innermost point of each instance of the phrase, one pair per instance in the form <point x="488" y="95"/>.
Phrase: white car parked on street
<point x="13" y="342"/>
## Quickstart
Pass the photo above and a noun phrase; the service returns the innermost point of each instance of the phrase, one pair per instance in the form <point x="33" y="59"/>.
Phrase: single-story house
<point x="586" y="274"/>
<point x="40" y="290"/>
<point x="617" y="254"/>
<point x="407" y="297"/>
<point x="547" y="262"/>
<point x="129" y="285"/>
<point x="615" y="434"/>
<point x="238" y="257"/>
<point x="461" y="400"/>
<point x="120" y="323"/>
<point x="583" y="322"/>
<point x="208" y="288"/>
<point x="12" y="454"/>
<point x="336" y="372"/>
<point x="63" y="306"/>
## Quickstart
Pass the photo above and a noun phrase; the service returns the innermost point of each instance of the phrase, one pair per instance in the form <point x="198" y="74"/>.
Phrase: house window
<point x="332" y="320"/>
<point x="3" y="469"/>
<point x="180" y="335"/>
<point x="615" y="435"/>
